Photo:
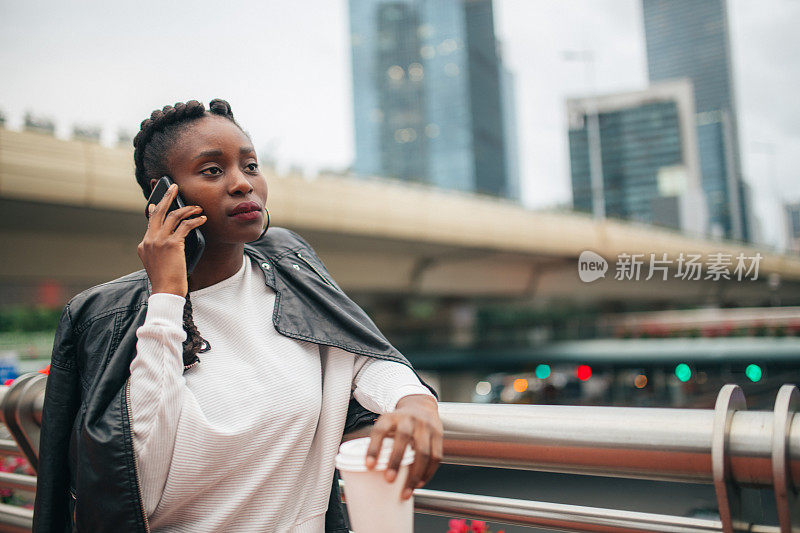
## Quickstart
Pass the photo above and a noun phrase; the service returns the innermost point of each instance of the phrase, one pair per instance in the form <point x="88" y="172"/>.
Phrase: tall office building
<point x="428" y="89"/>
<point x="634" y="156"/>
<point x="689" y="38"/>
<point x="792" y="212"/>
<point x="510" y="139"/>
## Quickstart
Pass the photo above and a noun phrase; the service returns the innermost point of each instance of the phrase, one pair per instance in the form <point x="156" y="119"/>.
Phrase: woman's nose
<point x="239" y="184"/>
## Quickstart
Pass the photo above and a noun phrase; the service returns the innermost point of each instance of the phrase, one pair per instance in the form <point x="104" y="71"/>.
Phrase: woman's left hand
<point x="415" y="420"/>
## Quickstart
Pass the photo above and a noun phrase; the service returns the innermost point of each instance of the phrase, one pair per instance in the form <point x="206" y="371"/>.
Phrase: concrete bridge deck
<point x="78" y="202"/>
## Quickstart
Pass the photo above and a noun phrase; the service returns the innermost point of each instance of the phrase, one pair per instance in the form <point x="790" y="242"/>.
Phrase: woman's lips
<point x="247" y="215"/>
<point x="246" y="211"/>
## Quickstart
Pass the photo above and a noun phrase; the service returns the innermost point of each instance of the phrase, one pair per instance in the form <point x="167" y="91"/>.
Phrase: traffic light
<point x="753" y="373"/>
<point x="542" y="371"/>
<point x="583" y="372"/>
<point x="683" y="372"/>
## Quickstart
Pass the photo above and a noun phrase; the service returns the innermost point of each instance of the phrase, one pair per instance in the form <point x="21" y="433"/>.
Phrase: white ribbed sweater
<point x="246" y="439"/>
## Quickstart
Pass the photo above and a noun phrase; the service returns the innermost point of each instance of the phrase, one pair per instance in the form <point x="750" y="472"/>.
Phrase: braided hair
<point x="157" y="136"/>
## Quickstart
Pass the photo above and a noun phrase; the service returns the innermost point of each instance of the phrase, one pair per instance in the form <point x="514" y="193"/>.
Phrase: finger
<point x="150" y="209"/>
<point x="437" y="453"/>
<point x="403" y="434"/>
<point x="188" y="225"/>
<point x="160" y="211"/>
<point x="422" y="454"/>
<point x="175" y="217"/>
<point x="376" y="436"/>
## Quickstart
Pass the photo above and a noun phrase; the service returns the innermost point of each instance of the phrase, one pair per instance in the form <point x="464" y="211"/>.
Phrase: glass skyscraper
<point x="689" y="38"/>
<point x="633" y="156"/>
<point x="792" y="212"/>
<point x="428" y="94"/>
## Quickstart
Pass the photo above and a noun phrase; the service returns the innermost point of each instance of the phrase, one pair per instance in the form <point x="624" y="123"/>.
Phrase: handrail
<point x="555" y="515"/>
<point x="15" y="519"/>
<point x="628" y="442"/>
<point x="9" y="447"/>
<point x="562" y="517"/>
<point x="644" y="443"/>
<point x="728" y="446"/>
<point x="18" y="481"/>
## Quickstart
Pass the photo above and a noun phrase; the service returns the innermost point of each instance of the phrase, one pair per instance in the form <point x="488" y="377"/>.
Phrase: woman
<point x="140" y="433"/>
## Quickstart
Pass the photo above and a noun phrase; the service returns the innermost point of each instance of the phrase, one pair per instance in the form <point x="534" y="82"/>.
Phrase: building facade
<point x="792" y="213"/>
<point x="428" y="94"/>
<point x="634" y="156"/>
<point x="690" y="39"/>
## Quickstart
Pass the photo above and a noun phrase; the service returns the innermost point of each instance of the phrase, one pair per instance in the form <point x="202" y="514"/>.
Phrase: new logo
<point x="591" y="266"/>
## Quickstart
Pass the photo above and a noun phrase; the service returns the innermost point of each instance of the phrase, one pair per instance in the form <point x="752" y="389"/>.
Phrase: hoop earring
<point x="265" y="227"/>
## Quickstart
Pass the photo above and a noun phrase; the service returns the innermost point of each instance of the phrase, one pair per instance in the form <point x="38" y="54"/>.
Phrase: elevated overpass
<point x="71" y="211"/>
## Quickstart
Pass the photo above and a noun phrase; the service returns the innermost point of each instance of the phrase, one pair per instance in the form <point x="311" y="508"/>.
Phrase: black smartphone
<point x="195" y="243"/>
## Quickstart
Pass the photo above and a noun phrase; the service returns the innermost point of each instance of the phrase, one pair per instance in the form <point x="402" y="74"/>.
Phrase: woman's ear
<point x="152" y="183"/>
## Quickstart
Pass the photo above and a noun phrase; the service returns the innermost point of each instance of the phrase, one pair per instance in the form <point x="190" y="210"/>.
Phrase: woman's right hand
<point x="162" y="248"/>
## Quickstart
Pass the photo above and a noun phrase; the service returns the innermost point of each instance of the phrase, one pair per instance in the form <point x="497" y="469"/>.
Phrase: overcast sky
<point x="285" y="68"/>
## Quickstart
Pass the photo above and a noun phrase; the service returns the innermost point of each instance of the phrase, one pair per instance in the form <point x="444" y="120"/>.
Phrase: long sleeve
<point x="61" y="402"/>
<point x="156" y="383"/>
<point x="379" y="384"/>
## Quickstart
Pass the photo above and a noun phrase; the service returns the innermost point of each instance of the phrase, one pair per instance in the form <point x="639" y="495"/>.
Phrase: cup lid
<point x="353" y="453"/>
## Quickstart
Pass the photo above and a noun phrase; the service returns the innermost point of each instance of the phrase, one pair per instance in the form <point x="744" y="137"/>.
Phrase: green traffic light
<point x="753" y="373"/>
<point x="683" y="372"/>
<point x="543" y="371"/>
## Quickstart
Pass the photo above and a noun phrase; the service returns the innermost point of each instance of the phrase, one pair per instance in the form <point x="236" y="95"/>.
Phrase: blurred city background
<point x="590" y="202"/>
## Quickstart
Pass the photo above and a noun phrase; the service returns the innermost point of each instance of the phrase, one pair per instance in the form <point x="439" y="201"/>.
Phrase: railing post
<point x="737" y="509"/>
<point x="786" y="494"/>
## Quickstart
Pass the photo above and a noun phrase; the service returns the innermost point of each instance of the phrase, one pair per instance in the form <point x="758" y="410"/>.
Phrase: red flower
<point x="478" y="526"/>
<point x="457" y="526"/>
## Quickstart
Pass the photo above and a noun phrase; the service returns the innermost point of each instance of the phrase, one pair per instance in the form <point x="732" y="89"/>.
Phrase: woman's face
<point x="215" y="166"/>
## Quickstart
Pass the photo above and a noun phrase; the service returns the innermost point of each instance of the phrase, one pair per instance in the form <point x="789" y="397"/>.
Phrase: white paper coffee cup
<point x="374" y="504"/>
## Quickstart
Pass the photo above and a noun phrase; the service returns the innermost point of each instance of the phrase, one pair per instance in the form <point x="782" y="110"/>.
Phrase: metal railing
<point x="730" y="447"/>
<point x="21" y="412"/>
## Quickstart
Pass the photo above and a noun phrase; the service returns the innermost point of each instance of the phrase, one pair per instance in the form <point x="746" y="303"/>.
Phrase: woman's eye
<point x="212" y="173"/>
<point x="253" y="166"/>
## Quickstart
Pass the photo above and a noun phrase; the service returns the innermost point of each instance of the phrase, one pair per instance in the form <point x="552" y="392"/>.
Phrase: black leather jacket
<point x="87" y="478"/>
